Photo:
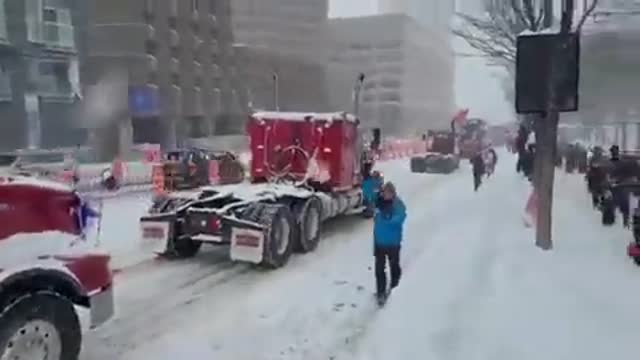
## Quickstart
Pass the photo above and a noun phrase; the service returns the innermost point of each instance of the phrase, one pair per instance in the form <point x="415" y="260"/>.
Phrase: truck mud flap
<point x="102" y="307"/>
<point x="246" y="239"/>
<point x="247" y="245"/>
<point x="156" y="232"/>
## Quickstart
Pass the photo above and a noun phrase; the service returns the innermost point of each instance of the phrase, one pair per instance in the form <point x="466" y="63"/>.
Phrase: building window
<point x="3" y="22"/>
<point x="173" y="8"/>
<point x="49" y="23"/>
<point x="5" y="84"/>
<point x="51" y="78"/>
<point x="148" y="10"/>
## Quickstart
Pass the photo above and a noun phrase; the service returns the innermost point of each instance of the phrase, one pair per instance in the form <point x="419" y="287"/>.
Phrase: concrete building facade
<point x="283" y="40"/>
<point x="175" y="57"/>
<point x="409" y="72"/>
<point x="41" y="48"/>
<point x="433" y="14"/>
<point x="286" y="27"/>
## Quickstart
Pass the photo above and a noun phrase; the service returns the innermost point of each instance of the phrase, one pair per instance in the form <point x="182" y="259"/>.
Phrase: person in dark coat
<point x="622" y="171"/>
<point x="528" y="161"/>
<point x="492" y="157"/>
<point x="520" y="147"/>
<point x="477" y="163"/>
<point x="387" y="239"/>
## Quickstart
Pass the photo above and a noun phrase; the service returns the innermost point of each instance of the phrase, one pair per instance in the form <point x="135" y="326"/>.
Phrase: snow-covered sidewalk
<point x="483" y="291"/>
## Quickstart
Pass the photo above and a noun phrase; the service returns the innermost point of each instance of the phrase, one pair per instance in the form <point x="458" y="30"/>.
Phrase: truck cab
<point x="42" y="276"/>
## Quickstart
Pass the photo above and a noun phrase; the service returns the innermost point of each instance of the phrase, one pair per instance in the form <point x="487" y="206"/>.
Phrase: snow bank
<point x="485" y="292"/>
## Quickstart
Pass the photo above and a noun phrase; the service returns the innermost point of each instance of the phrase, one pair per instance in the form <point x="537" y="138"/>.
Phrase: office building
<point x="175" y="57"/>
<point x="409" y="72"/>
<point x="41" y="48"/>
<point x="282" y="46"/>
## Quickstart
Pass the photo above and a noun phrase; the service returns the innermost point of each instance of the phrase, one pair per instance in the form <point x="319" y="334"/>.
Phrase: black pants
<point x="382" y="254"/>
<point x="477" y="180"/>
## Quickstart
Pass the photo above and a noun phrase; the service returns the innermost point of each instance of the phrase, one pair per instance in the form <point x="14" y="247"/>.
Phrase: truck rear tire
<point x="279" y="232"/>
<point x="418" y="165"/>
<point x="182" y="248"/>
<point x="309" y="226"/>
<point x="40" y="325"/>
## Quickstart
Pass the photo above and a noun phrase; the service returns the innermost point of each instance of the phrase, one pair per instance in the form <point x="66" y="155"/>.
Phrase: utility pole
<point x="546" y="140"/>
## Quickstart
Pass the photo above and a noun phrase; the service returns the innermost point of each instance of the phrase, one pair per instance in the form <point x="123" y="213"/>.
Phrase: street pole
<point x="548" y="14"/>
<point x="356" y="95"/>
<point x="276" y="90"/>
<point x="547" y="140"/>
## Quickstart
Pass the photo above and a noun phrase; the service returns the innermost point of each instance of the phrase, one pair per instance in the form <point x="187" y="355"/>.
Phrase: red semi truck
<point x="43" y="278"/>
<point x="305" y="168"/>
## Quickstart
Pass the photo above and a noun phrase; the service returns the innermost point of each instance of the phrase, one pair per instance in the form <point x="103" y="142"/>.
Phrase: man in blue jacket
<point x="387" y="233"/>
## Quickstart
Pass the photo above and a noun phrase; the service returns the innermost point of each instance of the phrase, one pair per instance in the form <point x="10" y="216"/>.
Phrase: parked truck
<point x="441" y="156"/>
<point x="442" y="151"/>
<point x="42" y="278"/>
<point x="306" y="168"/>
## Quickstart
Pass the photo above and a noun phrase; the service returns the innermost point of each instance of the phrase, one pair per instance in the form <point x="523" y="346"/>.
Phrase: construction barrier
<point x="147" y="175"/>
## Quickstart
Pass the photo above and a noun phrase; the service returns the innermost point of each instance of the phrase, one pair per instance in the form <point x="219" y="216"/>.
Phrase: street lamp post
<point x="356" y="94"/>
<point x="276" y="90"/>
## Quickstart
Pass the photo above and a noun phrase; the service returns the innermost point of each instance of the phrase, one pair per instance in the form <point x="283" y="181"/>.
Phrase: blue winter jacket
<point x="370" y="188"/>
<point x="388" y="224"/>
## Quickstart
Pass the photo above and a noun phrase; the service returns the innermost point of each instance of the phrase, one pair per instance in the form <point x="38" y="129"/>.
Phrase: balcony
<point x="51" y="34"/>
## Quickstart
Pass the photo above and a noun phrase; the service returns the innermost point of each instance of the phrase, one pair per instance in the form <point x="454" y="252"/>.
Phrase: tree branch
<point x="586" y="14"/>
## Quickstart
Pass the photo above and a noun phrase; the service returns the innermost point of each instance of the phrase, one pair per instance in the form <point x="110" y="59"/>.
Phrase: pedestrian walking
<point x="479" y="169"/>
<point x="387" y="234"/>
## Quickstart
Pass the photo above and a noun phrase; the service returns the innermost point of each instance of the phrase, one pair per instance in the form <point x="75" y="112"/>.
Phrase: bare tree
<point x="495" y="35"/>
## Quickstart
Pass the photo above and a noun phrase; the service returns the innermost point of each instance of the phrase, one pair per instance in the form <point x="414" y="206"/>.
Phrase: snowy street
<point x="473" y="287"/>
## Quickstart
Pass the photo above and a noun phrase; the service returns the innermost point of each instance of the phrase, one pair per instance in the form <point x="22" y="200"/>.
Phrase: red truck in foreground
<point x="42" y="277"/>
<point x="305" y="168"/>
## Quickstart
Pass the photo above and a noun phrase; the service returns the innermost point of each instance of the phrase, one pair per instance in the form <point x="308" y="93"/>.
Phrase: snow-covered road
<point x="484" y="292"/>
<point x="474" y="287"/>
<point x="211" y="306"/>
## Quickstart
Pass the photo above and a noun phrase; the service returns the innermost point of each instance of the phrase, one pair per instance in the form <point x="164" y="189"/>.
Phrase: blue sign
<point x="144" y="101"/>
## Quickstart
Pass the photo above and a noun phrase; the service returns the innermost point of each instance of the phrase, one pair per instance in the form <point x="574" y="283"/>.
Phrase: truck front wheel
<point x="41" y="325"/>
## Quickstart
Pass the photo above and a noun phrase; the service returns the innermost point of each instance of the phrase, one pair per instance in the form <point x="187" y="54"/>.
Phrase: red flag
<point x="461" y="117"/>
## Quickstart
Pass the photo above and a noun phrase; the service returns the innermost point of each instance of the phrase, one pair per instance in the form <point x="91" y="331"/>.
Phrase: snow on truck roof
<point x="32" y="181"/>
<point x="300" y="116"/>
